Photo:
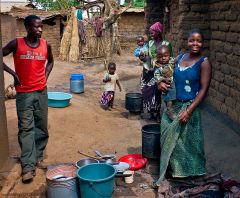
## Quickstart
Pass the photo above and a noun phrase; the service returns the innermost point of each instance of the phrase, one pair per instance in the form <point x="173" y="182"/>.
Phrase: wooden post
<point x="4" y="151"/>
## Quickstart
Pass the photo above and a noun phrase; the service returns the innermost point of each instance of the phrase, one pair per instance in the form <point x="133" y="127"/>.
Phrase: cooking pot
<point x="108" y="159"/>
<point x="85" y="161"/>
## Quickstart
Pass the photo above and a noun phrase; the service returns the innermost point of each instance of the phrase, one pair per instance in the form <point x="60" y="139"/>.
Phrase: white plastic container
<point x="129" y="180"/>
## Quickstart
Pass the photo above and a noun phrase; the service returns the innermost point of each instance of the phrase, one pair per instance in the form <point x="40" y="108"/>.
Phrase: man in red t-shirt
<point x="33" y="61"/>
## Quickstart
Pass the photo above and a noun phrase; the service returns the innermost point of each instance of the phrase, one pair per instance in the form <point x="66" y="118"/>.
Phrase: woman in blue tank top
<point x="182" y="144"/>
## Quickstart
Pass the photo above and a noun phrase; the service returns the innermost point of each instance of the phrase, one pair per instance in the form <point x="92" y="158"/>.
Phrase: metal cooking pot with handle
<point x="108" y="159"/>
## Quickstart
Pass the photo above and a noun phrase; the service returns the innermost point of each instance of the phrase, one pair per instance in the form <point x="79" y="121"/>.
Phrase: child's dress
<point x="109" y="90"/>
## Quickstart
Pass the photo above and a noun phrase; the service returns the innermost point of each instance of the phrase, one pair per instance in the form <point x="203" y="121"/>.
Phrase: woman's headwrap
<point x="157" y="27"/>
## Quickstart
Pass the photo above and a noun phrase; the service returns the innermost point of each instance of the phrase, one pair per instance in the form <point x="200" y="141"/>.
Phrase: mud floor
<point x="85" y="126"/>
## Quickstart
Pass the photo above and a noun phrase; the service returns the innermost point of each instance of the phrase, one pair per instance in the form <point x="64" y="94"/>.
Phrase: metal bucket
<point x="62" y="181"/>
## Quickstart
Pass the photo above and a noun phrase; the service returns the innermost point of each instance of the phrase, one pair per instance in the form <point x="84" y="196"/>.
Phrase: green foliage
<point x="55" y="4"/>
<point x="136" y="3"/>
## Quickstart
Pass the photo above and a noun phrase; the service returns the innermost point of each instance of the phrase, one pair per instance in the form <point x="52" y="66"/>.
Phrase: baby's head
<point x="140" y="41"/>
<point x="163" y="54"/>
<point x="111" y="68"/>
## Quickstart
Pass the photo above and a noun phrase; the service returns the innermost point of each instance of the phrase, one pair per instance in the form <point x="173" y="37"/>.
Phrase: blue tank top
<point x="187" y="79"/>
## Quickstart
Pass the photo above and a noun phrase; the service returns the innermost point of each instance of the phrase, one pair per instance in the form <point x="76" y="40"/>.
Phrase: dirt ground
<point x="84" y="125"/>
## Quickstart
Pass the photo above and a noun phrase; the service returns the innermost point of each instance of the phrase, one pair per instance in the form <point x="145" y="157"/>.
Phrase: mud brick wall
<point x="224" y="93"/>
<point x="130" y="26"/>
<point x="185" y="15"/>
<point x="154" y="12"/>
<point x="220" y="22"/>
<point x="4" y="150"/>
<point x="8" y="27"/>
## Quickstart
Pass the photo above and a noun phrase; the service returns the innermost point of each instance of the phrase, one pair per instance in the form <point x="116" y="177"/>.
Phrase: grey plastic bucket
<point x="65" y="187"/>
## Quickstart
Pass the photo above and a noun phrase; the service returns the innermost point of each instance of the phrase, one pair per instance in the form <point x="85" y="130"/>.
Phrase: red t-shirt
<point x="30" y="66"/>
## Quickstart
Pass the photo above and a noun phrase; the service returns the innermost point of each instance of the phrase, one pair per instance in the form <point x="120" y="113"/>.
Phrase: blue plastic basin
<point x="59" y="99"/>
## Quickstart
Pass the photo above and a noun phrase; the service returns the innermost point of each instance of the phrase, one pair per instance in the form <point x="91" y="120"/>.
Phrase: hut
<point x="131" y="25"/>
<point x="13" y="25"/>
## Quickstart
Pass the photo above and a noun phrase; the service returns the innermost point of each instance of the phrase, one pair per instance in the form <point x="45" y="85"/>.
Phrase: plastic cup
<point x="128" y="180"/>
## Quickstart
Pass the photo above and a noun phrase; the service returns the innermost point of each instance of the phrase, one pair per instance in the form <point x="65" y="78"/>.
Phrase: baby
<point x="142" y="52"/>
<point x="110" y="79"/>
<point x="164" y="72"/>
<point x="142" y="48"/>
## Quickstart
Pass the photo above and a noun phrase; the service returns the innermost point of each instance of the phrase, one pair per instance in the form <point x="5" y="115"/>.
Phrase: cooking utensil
<point x="113" y="163"/>
<point x="85" y="161"/>
<point x="122" y="166"/>
<point x="97" y="158"/>
<point x="108" y="158"/>
<point x="98" y="153"/>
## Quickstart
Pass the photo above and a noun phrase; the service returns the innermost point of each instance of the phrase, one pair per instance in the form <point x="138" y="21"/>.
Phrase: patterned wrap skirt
<point x="182" y="145"/>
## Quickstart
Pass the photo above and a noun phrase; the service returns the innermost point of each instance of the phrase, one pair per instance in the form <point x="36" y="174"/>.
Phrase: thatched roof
<point x="22" y="12"/>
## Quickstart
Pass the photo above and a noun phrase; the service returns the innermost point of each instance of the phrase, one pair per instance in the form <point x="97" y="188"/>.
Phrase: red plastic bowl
<point x="136" y="161"/>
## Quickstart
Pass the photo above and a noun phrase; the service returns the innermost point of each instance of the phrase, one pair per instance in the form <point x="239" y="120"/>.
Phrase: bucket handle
<point x="98" y="192"/>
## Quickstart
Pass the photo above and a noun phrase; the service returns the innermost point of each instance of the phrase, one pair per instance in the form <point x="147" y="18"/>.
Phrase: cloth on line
<point x="82" y="31"/>
<point x="98" y="26"/>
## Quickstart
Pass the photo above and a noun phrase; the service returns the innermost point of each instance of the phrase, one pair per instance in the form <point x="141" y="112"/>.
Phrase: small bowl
<point x="85" y="161"/>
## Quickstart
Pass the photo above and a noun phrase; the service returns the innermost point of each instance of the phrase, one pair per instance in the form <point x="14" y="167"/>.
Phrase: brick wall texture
<point x="130" y="26"/>
<point x="12" y="28"/>
<point x="220" y="22"/>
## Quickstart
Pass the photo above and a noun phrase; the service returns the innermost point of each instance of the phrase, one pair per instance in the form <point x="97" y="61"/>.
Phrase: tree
<point x="55" y="4"/>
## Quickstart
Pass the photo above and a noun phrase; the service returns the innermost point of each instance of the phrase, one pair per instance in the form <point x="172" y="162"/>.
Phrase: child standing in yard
<point x="110" y="79"/>
<point x="164" y="72"/>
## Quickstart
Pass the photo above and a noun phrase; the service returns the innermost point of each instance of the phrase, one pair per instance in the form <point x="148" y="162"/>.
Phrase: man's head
<point x="163" y="54"/>
<point x="140" y="41"/>
<point x="33" y="25"/>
